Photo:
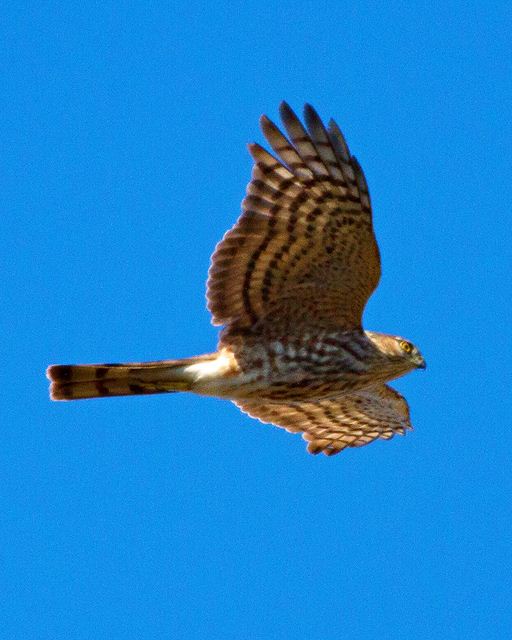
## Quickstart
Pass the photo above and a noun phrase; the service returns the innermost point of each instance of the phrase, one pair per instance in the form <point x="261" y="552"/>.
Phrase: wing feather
<point x="303" y="249"/>
<point x="330" y="426"/>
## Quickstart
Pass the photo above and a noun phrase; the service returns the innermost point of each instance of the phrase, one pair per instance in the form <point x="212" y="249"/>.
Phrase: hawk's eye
<point x="406" y="346"/>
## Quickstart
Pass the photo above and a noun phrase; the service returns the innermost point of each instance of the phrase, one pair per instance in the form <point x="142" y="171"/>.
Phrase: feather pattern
<point x="352" y="420"/>
<point x="305" y="236"/>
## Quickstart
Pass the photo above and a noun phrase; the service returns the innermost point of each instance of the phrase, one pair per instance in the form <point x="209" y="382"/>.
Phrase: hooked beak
<point x="421" y="364"/>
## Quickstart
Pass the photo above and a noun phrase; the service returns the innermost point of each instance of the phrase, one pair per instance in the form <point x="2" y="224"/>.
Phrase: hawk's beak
<point x="422" y="364"/>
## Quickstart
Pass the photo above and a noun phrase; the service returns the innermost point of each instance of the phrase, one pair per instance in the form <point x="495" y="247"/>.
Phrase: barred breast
<point x="295" y="367"/>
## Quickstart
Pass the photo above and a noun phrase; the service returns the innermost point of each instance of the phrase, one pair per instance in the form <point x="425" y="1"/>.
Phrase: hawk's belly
<point x="292" y="369"/>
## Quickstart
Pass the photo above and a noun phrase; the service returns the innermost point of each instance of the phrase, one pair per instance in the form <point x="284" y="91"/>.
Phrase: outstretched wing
<point x="330" y="426"/>
<point x="303" y="250"/>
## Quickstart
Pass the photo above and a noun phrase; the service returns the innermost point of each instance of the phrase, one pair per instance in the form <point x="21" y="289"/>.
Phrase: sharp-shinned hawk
<point x="289" y="283"/>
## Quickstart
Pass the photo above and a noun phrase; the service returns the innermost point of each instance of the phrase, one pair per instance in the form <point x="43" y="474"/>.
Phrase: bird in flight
<point x="289" y="283"/>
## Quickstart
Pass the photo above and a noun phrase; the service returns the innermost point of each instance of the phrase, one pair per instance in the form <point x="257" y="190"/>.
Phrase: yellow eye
<point x="406" y="346"/>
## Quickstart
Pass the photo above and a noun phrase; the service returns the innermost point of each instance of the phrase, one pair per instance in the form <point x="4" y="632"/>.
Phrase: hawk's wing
<point x="351" y="420"/>
<point x="303" y="249"/>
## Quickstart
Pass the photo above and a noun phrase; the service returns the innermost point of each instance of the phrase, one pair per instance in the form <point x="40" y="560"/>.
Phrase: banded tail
<point x="77" y="382"/>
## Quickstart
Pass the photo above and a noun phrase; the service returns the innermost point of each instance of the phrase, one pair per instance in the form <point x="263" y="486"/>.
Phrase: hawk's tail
<point x="75" y="382"/>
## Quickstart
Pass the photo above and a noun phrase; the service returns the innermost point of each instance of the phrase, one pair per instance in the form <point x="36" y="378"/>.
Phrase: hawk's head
<point x="398" y="349"/>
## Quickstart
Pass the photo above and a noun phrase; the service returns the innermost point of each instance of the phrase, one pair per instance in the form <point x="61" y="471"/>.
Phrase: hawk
<point x="289" y="283"/>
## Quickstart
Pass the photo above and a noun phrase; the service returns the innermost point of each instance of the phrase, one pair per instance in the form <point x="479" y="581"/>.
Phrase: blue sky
<point x="124" y="128"/>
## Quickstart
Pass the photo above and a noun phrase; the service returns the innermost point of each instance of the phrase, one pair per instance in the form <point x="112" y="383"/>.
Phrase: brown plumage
<point x="289" y="282"/>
